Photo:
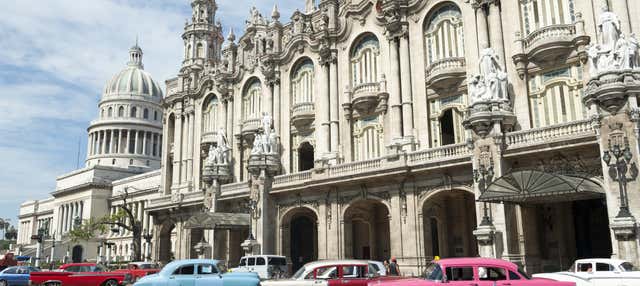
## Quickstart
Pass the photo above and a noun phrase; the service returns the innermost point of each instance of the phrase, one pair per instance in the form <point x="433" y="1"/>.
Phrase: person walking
<point x="386" y="266"/>
<point x="394" y="269"/>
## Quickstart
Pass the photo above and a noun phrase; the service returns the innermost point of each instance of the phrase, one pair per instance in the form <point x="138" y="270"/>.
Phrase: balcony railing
<point x="438" y="153"/>
<point x="250" y="125"/>
<point x="447" y="72"/>
<point x="355" y="167"/>
<point x="554" y="32"/>
<point x="445" y="65"/>
<point x="370" y="87"/>
<point x="234" y="188"/>
<point x="292" y="177"/>
<point x="573" y="129"/>
<point x="302" y="113"/>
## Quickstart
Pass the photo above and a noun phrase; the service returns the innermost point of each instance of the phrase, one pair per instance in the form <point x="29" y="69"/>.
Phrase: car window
<point x="279" y="261"/>
<point x="604" y="267"/>
<point x="72" y="269"/>
<point x="300" y="272"/>
<point x="513" y="276"/>
<point x="354" y="271"/>
<point x="433" y="272"/>
<point x="23" y="270"/>
<point x="584" y="267"/>
<point x="626" y="266"/>
<point x="184" y="270"/>
<point x="207" y="269"/>
<point x="98" y="268"/>
<point x="260" y="261"/>
<point x="328" y="272"/>
<point x="243" y="262"/>
<point x="459" y="273"/>
<point x="491" y="273"/>
<point x="10" y="270"/>
<point x="251" y="261"/>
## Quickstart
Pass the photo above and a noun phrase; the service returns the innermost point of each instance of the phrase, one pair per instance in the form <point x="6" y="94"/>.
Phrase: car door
<point x="22" y="279"/>
<point x="460" y="275"/>
<point x="10" y="275"/>
<point x="605" y="275"/>
<point x="208" y="275"/>
<point x="492" y="275"/>
<point x="261" y="267"/>
<point x="251" y="264"/>
<point x="352" y="275"/>
<point x="183" y="276"/>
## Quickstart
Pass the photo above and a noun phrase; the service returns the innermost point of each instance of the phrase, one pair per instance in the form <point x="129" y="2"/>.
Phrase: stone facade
<point x="407" y="129"/>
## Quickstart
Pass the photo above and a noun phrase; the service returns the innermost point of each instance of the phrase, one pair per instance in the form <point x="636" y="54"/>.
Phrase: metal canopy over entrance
<point x="210" y="220"/>
<point x="534" y="186"/>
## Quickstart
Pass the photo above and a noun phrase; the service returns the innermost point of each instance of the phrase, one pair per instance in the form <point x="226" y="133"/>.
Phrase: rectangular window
<point x="459" y="273"/>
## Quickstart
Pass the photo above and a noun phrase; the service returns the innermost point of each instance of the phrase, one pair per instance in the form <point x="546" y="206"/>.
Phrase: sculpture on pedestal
<point x="266" y="140"/>
<point x="615" y="51"/>
<point x="491" y="84"/>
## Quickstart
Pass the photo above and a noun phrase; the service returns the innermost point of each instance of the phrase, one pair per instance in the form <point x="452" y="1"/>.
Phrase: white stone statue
<point x="213" y="156"/>
<point x="309" y="6"/>
<point x="489" y="62"/>
<point x="491" y="84"/>
<point x="267" y="122"/>
<point x="609" y="25"/>
<point x="257" y="145"/>
<point x="255" y="18"/>
<point x="273" y="142"/>
<point x="223" y="147"/>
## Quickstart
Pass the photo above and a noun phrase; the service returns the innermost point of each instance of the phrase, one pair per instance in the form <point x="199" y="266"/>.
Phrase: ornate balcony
<point x="445" y="74"/>
<point x="250" y="126"/>
<point x="367" y="97"/>
<point x="547" y="45"/>
<point x="302" y="114"/>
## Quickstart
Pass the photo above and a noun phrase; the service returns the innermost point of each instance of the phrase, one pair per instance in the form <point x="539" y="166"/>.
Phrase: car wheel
<point x="52" y="284"/>
<point x="3" y="283"/>
<point x="110" y="283"/>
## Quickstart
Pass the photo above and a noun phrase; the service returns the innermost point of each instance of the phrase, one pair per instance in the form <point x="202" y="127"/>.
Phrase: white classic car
<point x="334" y="272"/>
<point x="598" y="272"/>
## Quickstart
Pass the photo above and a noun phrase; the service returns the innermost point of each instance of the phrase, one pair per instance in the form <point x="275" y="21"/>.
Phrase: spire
<point x="231" y="37"/>
<point x="275" y="14"/>
<point x="135" y="56"/>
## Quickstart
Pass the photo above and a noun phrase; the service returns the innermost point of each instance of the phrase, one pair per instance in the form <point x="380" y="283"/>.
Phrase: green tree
<point x="123" y="218"/>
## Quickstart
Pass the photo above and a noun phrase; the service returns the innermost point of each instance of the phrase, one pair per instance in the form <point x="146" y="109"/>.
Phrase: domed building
<point x="128" y="131"/>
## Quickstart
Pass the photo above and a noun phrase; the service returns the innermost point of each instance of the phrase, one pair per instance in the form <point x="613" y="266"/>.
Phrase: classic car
<point x="473" y="271"/>
<point x="16" y="275"/>
<point x="139" y="269"/>
<point x="598" y="272"/>
<point x="80" y="274"/>
<point x="267" y="266"/>
<point x="332" y="273"/>
<point x="198" y="272"/>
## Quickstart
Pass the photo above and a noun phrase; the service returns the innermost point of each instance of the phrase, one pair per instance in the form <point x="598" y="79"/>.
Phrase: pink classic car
<point x="473" y="272"/>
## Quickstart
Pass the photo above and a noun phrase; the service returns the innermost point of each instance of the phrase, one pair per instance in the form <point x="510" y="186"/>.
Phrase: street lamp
<point x="618" y="171"/>
<point x="483" y="176"/>
<point x="147" y="235"/>
<point x="252" y="205"/>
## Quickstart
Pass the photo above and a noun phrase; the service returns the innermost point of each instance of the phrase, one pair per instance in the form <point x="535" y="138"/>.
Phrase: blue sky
<point x="55" y="57"/>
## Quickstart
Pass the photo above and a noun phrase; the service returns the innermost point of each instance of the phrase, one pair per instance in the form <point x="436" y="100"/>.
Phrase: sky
<point x="56" y="56"/>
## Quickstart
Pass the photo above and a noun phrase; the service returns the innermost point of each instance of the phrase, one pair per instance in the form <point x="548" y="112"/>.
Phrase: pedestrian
<point x="394" y="269"/>
<point x="386" y="266"/>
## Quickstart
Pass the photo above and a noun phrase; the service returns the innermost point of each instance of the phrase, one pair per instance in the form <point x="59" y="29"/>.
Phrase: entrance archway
<point x="366" y="231"/>
<point x="165" y="245"/>
<point x="300" y="239"/>
<point x="449" y="219"/>
<point x="76" y="254"/>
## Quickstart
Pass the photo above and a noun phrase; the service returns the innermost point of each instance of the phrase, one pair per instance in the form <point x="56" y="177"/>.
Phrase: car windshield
<point x="298" y="274"/>
<point x="626" y="266"/>
<point x="433" y="272"/>
<point x="279" y="261"/>
<point x="523" y="273"/>
<point x="147" y="266"/>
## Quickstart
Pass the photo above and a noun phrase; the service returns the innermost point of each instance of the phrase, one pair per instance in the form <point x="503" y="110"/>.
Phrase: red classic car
<point x="80" y="274"/>
<point x="473" y="271"/>
<point x="139" y="269"/>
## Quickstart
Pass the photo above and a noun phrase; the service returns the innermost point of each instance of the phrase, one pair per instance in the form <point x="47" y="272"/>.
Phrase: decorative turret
<point x="202" y="36"/>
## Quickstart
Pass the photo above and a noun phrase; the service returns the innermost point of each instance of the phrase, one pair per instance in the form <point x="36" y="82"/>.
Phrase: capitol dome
<point x="133" y="80"/>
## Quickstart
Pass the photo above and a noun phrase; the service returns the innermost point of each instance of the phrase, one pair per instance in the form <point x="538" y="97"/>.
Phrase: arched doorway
<point x="441" y="236"/>
<point x="305" y="157"/>
<point x="366" y="231"/>
<point x="76" y="254"/>
<point x="300" y="241"/>
<point x="165" y="243"/>
<point x="447" y="128"/>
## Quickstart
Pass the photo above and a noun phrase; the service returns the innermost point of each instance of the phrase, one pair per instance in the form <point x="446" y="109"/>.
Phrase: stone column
<point x="89" y="141"/>
<point x="177" y="150"/>
<point x="134" y="134"/>
<point x="277" y="106"/>
<point x="395" y="94"/>
<point x="495" y="24"/>
<point x="190" y="147"/>
<point x="144" y="142"/>
<point x="621" y="8"/>
<point x="483" y="29"/>
<point x="335" y="106"/>
<point x="323" y="133"/>
<point x="407" y="94"/>
<point x="103" y="140"/>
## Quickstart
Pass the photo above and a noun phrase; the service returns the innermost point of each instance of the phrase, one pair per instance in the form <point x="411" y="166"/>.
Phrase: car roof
<point x="266" y="255"/>
<point x="475" y="261"/>
<point x="177" y="263"/>
<point x="321" y="263"/>
<point x="601" y="260"/>
<point x="78" y="264"/>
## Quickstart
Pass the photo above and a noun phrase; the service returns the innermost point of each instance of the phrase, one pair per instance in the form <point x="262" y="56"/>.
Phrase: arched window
<point x="537" y="14"/>
<point x="365" y="60"/>
<point x="444" y="34"/>
<point x="368" y="138"/>
<point x="555" y="96"/>
<point x="302" y="83"/>
<point x="102" y="113"/>
<point x="252" y="100"/>
<point x="121" y="111"/>
<point x="305" y="157"/>
<point x="145" y="113"/>
<point x="209" y="115"/>
<point x="199" y="51"/>
<point x="446" y="116"/>
<point x="134" y="112"/>
<point x="155" y="115"/>
<point x="110" y="112"/>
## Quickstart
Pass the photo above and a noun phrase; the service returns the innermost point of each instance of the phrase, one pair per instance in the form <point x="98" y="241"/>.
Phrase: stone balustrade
<point x="234" y="188"/>
<point x="209" y="137"/>
<point x="355" y="167"/>
<point x="251" y="125"/>
<point x="549" y="32"/>
<point x="302" y="113"/>
<point x="366" y="97"/>
<point x="444" y="65"/>
<point x="573" y="129"/>
<point x="444" y="73"/>
<point x="292" y="177"/>
<point x="439" y="153"/>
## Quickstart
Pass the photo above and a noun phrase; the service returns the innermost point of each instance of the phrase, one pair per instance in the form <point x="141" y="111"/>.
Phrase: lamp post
<point x="252" y="205"/>
<point x="483" y="176"/>
<point x="53" y="248"/>
<point x="618" y="169"/>
<point x="147" y="235"/>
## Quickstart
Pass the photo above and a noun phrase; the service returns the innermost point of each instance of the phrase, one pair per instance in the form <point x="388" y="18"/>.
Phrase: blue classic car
<point x="16" y="275"/>
<point x="198" y="272"/>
